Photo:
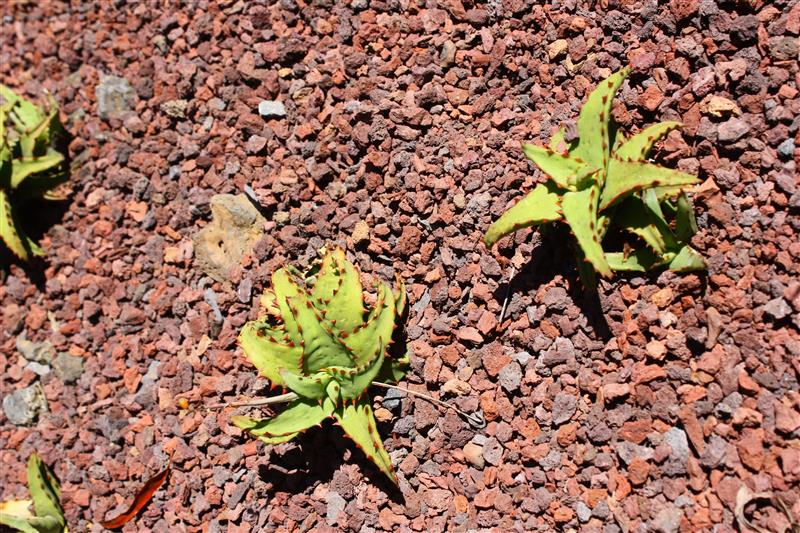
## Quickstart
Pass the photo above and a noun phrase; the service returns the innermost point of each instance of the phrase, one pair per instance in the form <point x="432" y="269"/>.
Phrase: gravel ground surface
<point x="394" y="129"/>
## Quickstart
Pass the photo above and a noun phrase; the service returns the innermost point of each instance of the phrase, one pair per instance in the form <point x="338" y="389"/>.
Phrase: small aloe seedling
<point x="30" y="166"/>
<point x="603" y="179"/>
<point x="317" y="340"/>
<point x="48" y="516"/>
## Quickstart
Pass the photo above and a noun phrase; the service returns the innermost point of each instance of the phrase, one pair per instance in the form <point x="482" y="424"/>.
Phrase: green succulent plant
<point x="30" y="165"/>
<point x="46" y="500"/>
<point x="603" y="180"/>
<point x="317" y="340"/>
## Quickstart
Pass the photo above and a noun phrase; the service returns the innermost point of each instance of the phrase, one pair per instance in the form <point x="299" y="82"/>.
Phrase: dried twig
<point x="508" y="294"/>
<point x="281" y="398"/>
<point x="475" y="419"/>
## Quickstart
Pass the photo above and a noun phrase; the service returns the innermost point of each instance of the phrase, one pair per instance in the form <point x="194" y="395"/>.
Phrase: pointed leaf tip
<point x="580" y="212"/>
<point x="539" y="206"/>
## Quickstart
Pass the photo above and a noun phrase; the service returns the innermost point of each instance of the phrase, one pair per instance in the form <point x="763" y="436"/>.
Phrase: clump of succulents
<point x="30" y="165"/>
<point x="317" y="340"/>
<point x="603" y="180"/>
<point x="48" y="515"/>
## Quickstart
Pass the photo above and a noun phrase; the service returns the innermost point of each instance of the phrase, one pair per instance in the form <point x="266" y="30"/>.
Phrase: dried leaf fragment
<point x="141" y="499"/>
<point x="743" y="497"/>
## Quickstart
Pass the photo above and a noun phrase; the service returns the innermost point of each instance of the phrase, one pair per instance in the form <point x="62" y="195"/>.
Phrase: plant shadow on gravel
<point x="37" y="218"/>
<point x="549" y="258"/>
<point x="315" y="457"/>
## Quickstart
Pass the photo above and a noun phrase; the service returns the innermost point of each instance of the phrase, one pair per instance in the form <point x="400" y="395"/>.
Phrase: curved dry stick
<point x="281" y="398"/>
<point x="476" y="420"/>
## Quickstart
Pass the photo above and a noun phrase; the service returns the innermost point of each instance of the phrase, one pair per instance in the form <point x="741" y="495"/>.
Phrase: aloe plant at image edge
<point x="46" y="500"/>
<point x="317" y="340"/>
<point x="30" y="166"/>
<point x="601" y="180"/>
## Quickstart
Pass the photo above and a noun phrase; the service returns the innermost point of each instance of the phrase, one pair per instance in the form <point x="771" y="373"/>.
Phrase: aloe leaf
<point x="34" y="524"/>
<point x="9" y="96"/>
<point x="558" y="143"/>
<point x="339" y="288"/>
<point x="377" y="330"/>
<point x="269" y="303"/>
<point x="617" y="139"/>
<point x="593" y="122"/>
<point x="35" y="140"/>
<point x="32" y="125"/>
<point x="638" y="147"/>
<point x="393" y="369"/>
<point x="633" y="216"/>
<point x="359" y="424"/>
<point x="267" y="354"/>
<point x="669" y="191"/>
<point x="48" y="524"/>
<point x="15" y="514"/>
<point x="565" y="170"/>
<point x="627" y="177"/>
<point x="34" y="247"/>
<point x="25" y="167"/>
<point x="44" y="488"/>
<point x="285" y="288"/>
<point x="686" y="260"/>
<point x="539" y="206"/>
<point x="9" y="230"/>
<point x="603" y="222"/>
<point x="556" y="140"/>
<point x="20" y="524"/>
<point x="310" y="387"/>
<point x="327" y="279"/>
<point x="246" y="423"/>
<point x="639" y="260"/>
<point x="46" y="495"/>
<point x="297" y="417"/>
<point x="334" y="392"/>
<point x="17" y="508"/>
<point x="649" y="198"/>
<point x="580" y="212"/>
<point x="277" y="440"/>
<point x="685" y="222"/>
<point x="34" y="174"/>
<point x="321" y="346"/>
<point x="26" y="116"/>
<point x="356" y="380"/>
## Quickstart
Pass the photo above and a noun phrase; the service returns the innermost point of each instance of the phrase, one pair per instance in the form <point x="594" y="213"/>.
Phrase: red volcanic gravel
<point x="398" y="137"/>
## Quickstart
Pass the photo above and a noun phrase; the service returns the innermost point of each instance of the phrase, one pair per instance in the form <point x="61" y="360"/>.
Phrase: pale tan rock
<point x="235" y="228"/>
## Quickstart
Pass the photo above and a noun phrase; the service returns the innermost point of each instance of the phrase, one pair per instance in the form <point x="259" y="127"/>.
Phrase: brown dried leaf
<point x="144" y="496"/>
<point x="743" y="497"/>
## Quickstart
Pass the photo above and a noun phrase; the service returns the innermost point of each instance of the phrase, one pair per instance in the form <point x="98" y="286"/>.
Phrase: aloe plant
<point x="48" y="516"/>
<point x="30" y="166"/>
<point x="317" y="340"/>
<point x="601" y="180"/>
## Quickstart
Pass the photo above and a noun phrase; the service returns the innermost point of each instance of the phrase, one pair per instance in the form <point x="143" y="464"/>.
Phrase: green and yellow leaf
<point x="539" y="206"/>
